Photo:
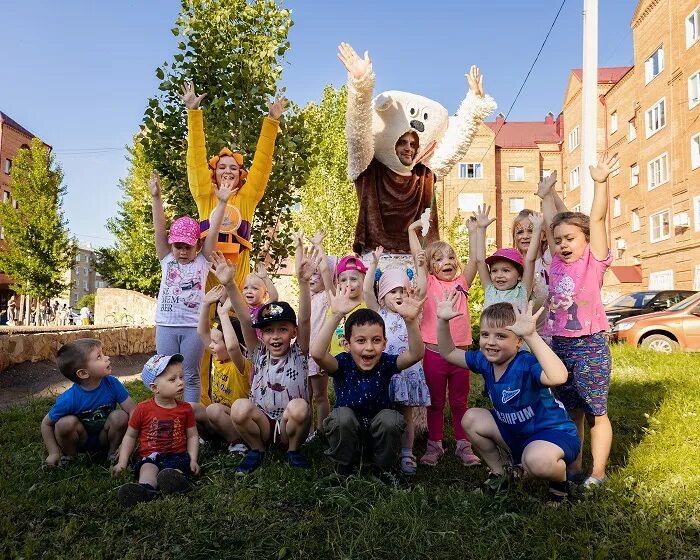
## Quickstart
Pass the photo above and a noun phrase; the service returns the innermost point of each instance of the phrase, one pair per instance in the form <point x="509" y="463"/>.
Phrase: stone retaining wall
<point x="17" y="347"/>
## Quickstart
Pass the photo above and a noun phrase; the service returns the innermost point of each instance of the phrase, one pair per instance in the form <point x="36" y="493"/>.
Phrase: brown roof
<point x="628" y="274"/>
<point x="14" y="124"/>
<point x="609" y="75"/>
<point x="524" y="134"/>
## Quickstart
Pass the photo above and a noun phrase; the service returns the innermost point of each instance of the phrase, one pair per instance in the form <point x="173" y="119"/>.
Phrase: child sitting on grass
<point x="86" y="417"/>
<point x="167" y="434"/>
<point x="364" y="412"/>
<point x="527" y="421"/>
<point x="230" y="370"/>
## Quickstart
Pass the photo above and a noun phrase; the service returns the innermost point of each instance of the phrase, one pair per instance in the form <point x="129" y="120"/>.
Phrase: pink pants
<point x="441" y="376"/>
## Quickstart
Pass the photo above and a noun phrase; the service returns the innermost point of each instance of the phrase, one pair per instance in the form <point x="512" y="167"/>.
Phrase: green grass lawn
<point x="650" y="508"/>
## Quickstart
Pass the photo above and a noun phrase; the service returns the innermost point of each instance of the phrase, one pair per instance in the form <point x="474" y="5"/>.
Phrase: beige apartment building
<point x="648" y="114"/>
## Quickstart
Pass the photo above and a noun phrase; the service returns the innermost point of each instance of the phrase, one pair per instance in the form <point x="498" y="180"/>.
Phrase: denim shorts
<point x="179" y="461"/>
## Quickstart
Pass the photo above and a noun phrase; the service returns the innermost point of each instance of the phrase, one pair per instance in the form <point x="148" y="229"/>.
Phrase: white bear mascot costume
<point x="393" y="195"/>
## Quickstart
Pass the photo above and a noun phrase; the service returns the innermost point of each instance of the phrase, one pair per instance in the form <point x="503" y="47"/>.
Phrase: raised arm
<point x="368" y="286"/>
<point x="261" y="272"/>
<point x="410" y="309"/>
<point x="536" y="220"/>
<point x="204" y="327"/>
<point x="414" y="242"/>
<point x="545" y="190"/>
<point x="161" y="236"/>
<point x="225" y="272"/>
<point x="233" y="346"/>
<point x="216" y="219"/>
<point x="309" y="263"/>
<point x="446" y="311"/>
<point x="421" y="276"/>
<point x="471" y="267"/>
<point x="327" y="275"/>
<point x="198" y="176"/>
<point x="358" y="118"/>
<point x="599" y="208"/>
<point x="482" y="223"/>
<point x="340" y="305"/>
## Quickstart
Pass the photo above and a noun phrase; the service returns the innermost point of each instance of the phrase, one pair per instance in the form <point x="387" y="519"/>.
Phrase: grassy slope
<point x="649" y="509"/>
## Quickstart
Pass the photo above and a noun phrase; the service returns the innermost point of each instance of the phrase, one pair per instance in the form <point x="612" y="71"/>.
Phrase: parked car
<point x="640" y="303"/>
<point x="677" y="328"/>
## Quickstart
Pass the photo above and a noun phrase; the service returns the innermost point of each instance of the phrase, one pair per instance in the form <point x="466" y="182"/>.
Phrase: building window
<point x="613" y="122"/>
<point x="694" y="90"/>
<point x="85" y="270"/>
<point x="2" y="232"/>
<point x="574" y="177"/>
<point x="692" y="27"/>
<point x="468" y="202"/>
<point x="470" y="171"/>
<point x="632" y="130"/>
<point x="573" y="139"/>
<point x="695" y="151"/>
<point x="516" y="205"/>
<point x="516" y="173"/>
<point x="662" y="280"/>
<point x="657" y="171"/>
<point x="634" y="221"/>
<point x="77" y="270"/>
<point x="8" y="166"/>
<point x="634" y="175"/>
<point x="85" y="285"/>
<point x="654" y="65"/>
<point x="656" y="117"/>
<point x="660" y="226"/>
<point x="696" y="212"/>
<point x="617" y="206"/>
<point x="5" y="196"/>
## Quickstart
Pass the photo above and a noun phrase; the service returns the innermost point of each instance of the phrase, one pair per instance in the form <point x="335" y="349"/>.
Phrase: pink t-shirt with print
<point x="574" y="305"/>
<point x="460" y="327"/>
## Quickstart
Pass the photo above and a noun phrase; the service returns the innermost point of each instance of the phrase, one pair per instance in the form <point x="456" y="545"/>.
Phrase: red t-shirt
<point x="162" y="430"/>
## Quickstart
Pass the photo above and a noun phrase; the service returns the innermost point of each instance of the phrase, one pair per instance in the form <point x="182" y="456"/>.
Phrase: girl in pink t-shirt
<point x="444" y="274"/>
<point x="576" y="318"/>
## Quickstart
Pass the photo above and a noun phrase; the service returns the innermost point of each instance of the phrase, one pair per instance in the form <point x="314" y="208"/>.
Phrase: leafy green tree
<point x="132" y="263"/>
<point x="87" y="300"/>
<point x="38" y="247"/>
<point x="232" y="50"/>
<point x="328" y="198"/>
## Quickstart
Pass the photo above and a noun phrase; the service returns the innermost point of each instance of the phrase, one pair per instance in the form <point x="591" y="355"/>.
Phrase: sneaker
<point x="297" y="460"/>
<point x="465" y="454"/>
<point x="252" y="460"/>
<point x="593" y="482"/>
<point x="433" y="452"/>
<point x="408" y="464"/>
<point x="133" y="493"/>
<point x="311" y="437"/>
<point x="173" y="481"/>
<point x="237" y="449"/>
<point x="559" y="492"/>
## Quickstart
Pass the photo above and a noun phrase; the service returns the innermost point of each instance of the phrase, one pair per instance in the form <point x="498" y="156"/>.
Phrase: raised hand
<point x="318" y="238"/>
<point x="415" y="225"/>
<point x="537" y="221"/>
<point x="223" y="308"/>
<point x="475" y="81"/>
<point x="189" y="97"/>
<point x="604" y="167"/>
<point x="277" y="107"/>
<point x="447" y="305"/>
<point x="214" y="295"/>
<point x="356" y="66"/>
<point x="420" y="259"/>
<point x="377" y="254"/>
<point x="545" y="186"/>
<point x="525" y="322"/>
<point x="223" y="191"/>
<point x="482" y="216"/>
<point x="222" y="268"/>
<point x="260" y="270"/>
<point x="341" y="303"/>
<point x="470" y="224"/>
<point x="411" y="306"/>
<point x="309" y="264"/>
<point x="154" y="184"/>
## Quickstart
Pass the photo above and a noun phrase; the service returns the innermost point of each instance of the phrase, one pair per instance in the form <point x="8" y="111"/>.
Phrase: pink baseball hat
<point x="391" y="279"/>
<point x="508" y="254"/>
<point x="184" y="230"/>
<point x="350" y="262"/>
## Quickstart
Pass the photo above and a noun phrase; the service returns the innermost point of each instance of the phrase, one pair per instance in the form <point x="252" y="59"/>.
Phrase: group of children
<point x="391" y="340"/>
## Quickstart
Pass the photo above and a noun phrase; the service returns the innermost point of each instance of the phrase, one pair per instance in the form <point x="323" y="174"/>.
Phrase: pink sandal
<point x="433" y="452"/>
<point x="465" y="454"/>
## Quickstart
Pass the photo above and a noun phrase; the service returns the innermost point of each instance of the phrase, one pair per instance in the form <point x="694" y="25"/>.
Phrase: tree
<point x="328" y="198"/>
<point x="39" y="249"/>
<point x="232" y="50"/>
<point x="132" y="263"/>
<point x="88" y="300"/>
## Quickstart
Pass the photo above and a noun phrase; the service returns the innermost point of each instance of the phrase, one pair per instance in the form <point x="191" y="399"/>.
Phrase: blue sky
<point x="78" y="73"/>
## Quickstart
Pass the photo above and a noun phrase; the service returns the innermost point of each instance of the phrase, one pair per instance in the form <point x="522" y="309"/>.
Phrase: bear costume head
<point x="398" y="112"/>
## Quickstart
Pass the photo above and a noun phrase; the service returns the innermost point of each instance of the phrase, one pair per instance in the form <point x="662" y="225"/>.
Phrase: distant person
<point x="85" y="315"/>
<point x="11" y="313"/>
<point x="86" y="416"/>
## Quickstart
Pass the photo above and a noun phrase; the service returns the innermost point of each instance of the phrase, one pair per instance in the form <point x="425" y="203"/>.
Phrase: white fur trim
<point x="358" y="123"/>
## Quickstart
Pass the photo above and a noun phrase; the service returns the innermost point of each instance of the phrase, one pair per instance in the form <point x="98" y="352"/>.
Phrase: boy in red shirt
<point x="167" y="434"/>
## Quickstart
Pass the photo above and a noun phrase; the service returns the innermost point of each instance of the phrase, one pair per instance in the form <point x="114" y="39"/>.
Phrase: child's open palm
<point x="309" y="264"/>
<point x="377" y="254"/>
<point x="410" y="307"/>
<point x="447" y="305"/>
<point x="482" y="216"/>
<point x="544" y="187"/>
<point x="341" y="303"/>
<point x="537" y="220"/>
<point x="214" y="294"/>
<point x="525" y="322"/>
<point x="222" y="268"/>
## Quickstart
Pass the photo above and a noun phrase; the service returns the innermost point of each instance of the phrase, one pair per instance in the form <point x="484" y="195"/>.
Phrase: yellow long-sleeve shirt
<point x="246" y="199"/>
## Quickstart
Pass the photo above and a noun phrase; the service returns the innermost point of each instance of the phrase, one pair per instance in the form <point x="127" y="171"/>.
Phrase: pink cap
<point x="509" y="254"/>
<point x="350" y="262"/>
<point x="184" y="230"/>
<point x="391" y="279"/>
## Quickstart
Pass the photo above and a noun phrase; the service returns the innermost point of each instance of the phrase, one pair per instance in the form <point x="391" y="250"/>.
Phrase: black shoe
<point x="559" y="493"/>
<point x="252" y="460"/>
<point x="296" y="460"/>
<point x="173" y="481"/>
<point x="132" y="493"/>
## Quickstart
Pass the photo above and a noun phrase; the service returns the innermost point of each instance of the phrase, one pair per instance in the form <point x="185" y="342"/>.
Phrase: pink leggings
<point x="439" y="375"/>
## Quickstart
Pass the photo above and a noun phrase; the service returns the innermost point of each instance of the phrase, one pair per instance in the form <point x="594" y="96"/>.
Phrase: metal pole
<point x="589" y="105"/>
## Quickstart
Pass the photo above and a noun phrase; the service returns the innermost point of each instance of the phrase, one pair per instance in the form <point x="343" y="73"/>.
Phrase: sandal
<point x="408" y="464"/>
<point x="433" y="452"/>
<point x="465" y="454"/>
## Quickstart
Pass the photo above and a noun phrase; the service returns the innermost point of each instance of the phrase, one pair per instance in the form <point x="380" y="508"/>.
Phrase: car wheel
<point x="660" y="343"/>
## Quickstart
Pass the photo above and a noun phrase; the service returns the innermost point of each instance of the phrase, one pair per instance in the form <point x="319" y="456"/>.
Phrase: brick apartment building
<point x="82" y="278"/>
<point x="648" y="114"/>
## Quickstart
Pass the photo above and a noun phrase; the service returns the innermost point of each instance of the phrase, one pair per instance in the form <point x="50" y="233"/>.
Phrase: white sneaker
<point x="238" y="449"/>
<point x="312" y="436"/>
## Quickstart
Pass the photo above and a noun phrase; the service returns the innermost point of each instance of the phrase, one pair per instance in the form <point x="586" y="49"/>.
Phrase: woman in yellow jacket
<point x="227" y="168"/>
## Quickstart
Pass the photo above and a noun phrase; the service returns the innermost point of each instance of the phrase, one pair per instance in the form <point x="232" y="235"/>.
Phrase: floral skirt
<point x="408" y="387"/>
